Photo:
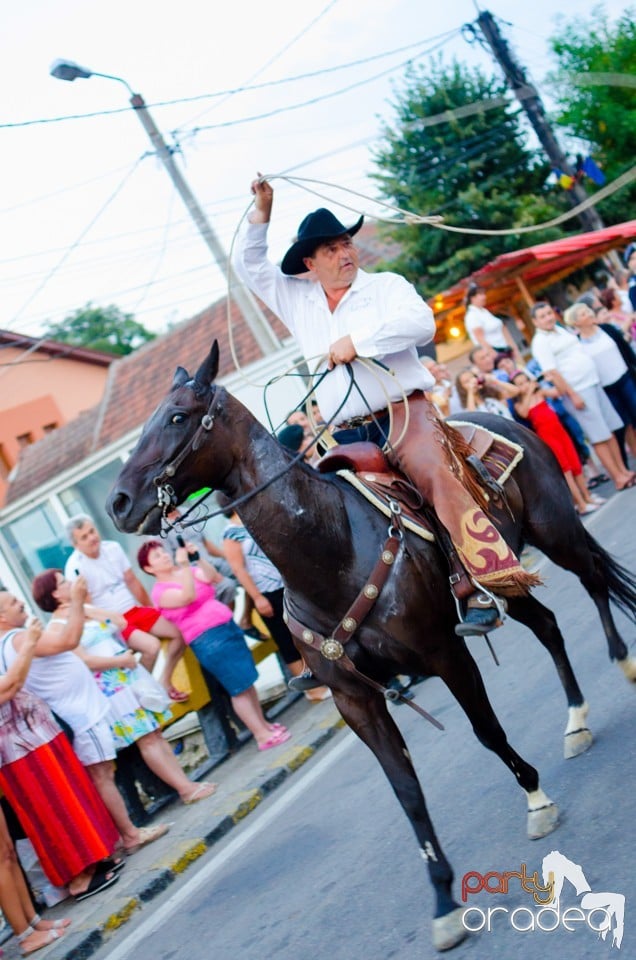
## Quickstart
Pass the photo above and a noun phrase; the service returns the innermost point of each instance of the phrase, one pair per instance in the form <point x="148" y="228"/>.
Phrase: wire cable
<point x="268" y="63"/>
<point x="232" y="91"/>
<point x="69" y="251"/>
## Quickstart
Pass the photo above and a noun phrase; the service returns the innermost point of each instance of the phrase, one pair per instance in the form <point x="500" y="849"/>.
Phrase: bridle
<point x="166" y="496"/>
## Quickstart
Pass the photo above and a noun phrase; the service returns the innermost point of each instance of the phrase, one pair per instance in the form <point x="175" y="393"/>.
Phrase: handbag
<point x="149" y="692"/>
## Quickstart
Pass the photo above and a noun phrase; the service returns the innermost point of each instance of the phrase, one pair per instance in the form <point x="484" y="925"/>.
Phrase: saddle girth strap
<point x="332" y="647"/>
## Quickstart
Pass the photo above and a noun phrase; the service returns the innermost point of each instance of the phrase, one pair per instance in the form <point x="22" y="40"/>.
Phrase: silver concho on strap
<point x="331" y="649"/>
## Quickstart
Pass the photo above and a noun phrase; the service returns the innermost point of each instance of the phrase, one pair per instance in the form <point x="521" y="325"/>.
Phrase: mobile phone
<point x="192" y="554"/>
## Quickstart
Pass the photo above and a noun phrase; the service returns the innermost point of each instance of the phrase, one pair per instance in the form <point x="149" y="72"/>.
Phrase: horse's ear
<point x="206" y="374"/>
<point x="181" y="376"/>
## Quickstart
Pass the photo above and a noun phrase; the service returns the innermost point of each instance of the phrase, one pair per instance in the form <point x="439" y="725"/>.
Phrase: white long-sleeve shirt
<point x="382" y="313"/>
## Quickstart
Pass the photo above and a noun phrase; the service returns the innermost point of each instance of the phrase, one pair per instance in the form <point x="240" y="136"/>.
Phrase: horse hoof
<point x="628" y="666"/>
<point x="449" y="930"/>
<point x="543" y="821"/>
<point x="577" y="742"/>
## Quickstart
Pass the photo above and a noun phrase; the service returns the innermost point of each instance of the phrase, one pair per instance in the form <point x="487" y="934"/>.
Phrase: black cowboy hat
<point x="316" y="228"/>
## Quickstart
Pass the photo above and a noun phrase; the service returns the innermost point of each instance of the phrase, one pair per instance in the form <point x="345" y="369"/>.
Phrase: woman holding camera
<point x="184" y="592"/>
<point x="484" y="392"/>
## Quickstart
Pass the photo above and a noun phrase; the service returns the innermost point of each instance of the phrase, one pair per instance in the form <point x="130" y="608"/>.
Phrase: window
<point x="89" y="496"/>
<point x="37" y="540"/>
<point x="49" y="427"/>
<point x="24" y="439"/>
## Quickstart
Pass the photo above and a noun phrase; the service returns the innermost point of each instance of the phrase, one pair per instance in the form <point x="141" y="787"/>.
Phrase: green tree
<point x="595" y="88"/>
<point x="101" y="328"/>
<point x="474" y="168"/>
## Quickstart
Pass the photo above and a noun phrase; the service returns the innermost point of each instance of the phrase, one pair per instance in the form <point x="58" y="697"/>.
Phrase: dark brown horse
<point x="325" y="539"/>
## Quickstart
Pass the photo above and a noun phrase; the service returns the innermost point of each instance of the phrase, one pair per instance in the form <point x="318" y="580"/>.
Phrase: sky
<point x="90" y="215"/>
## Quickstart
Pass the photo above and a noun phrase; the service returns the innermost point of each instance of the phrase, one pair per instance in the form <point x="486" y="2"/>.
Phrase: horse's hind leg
<point x="368" y="717"/>
<point x="603" y="578"/>
<point x="462" y="677"/>
<point x="542" y="622"/>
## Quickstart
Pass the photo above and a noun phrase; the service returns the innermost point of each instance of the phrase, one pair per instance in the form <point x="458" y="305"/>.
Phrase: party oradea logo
<point x="602" y="913"/>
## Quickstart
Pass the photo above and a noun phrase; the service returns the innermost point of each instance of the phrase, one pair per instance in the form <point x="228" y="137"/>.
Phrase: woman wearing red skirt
<point x="56" y="803"/>
<point x="531" y="405"/>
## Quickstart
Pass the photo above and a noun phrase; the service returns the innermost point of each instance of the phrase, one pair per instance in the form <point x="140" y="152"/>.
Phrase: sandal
<point x="147" y="835"/>
<point x="200" y="792"/>
<point x="179" y="696"/>
<point x="597" y="480"/>
<point x="112" y="863"/>
<point x="277" y="738"/>
<point x="60" y="924"/>
<point x="49" y="937"/>
<point x="101" y="880"/>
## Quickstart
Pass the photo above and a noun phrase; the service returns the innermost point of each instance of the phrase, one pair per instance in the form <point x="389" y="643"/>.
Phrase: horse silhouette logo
<point x="556" y="869"/>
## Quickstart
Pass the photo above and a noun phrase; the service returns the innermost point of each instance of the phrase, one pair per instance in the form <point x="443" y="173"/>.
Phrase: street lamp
<point x="254" y="316"/>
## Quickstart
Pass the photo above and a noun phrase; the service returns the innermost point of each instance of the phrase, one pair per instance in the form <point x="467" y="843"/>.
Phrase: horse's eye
<point x="178" y="418"/>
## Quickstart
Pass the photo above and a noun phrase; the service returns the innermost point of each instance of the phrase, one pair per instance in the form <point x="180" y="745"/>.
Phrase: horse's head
<point x="165" y="466"/>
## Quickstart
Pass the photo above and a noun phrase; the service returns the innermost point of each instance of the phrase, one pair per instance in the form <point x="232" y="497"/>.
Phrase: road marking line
<point x="185" y="892"/>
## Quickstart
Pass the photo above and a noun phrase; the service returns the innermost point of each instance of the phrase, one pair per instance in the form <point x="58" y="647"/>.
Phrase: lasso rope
<point x="407" y="217"/>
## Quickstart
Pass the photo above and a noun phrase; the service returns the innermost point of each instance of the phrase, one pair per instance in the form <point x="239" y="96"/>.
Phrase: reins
<point x="166" y="496"/>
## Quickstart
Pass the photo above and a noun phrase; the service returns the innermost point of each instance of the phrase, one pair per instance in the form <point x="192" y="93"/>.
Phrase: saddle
<point x="365" y="466"/>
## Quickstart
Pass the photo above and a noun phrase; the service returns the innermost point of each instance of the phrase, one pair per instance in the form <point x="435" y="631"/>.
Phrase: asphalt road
<point x="329" y="867"/>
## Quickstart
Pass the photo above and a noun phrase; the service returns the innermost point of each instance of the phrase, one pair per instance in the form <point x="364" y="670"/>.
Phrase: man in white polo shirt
<point x="573" y="372"/>
<point x="114" y="586"/>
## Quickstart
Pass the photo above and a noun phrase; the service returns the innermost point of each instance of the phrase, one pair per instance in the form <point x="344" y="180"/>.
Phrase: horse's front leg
<point x="367" y="715"/>
<point x="462" y="677"/>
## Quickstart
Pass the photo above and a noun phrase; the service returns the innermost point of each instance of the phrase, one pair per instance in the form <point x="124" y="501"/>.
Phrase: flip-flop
<point x="147" y="835"/>
<point x="277" y="738"/>
<point x="597" y="480"/>
<point x="100" y="880"/>
<point x="200" y="792"/>
<point x="112" y="863"/>
<point x="179" y="696"/>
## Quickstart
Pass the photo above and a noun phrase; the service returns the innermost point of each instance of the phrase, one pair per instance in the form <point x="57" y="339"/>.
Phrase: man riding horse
<point x="341" y="313"/>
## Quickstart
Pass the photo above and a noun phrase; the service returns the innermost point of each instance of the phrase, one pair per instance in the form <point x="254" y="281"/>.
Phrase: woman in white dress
<point x="484" y="328"/>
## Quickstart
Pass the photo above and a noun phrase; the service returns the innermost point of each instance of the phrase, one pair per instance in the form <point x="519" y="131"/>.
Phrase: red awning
<point x="536" y="267"/>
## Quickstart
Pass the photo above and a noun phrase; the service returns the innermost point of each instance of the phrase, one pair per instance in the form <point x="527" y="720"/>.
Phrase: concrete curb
<point x="158" y="876"/>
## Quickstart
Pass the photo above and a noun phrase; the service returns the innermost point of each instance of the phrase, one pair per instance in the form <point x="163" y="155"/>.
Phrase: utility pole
<point x="254" y="316"/>
<point x="531" y="102"/>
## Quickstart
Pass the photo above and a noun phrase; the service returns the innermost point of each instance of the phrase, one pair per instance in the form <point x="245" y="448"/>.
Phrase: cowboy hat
<point x="316" y="228"/>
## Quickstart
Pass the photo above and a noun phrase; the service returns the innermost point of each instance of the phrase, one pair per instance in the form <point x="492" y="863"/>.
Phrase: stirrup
<point x="480" y="626"/>
<point x="304" y="681"/>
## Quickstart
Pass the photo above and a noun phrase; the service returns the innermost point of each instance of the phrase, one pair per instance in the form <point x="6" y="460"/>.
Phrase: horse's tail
<point x="620" y="582"/>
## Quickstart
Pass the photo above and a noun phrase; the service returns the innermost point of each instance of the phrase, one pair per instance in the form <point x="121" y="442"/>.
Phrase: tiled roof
<point x="57" y="451"/>
<point x="55" y="348"/>
<point x="373" y="248"/>
<point x="137" y="382"/>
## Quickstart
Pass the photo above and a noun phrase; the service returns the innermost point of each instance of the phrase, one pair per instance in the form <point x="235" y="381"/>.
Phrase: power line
<point x="269" y="62"/>
<point x="232" y="91"/>
<point x="160" y="258"/>
<point x="319" y="99"/>
<point x="76" y="243"/>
